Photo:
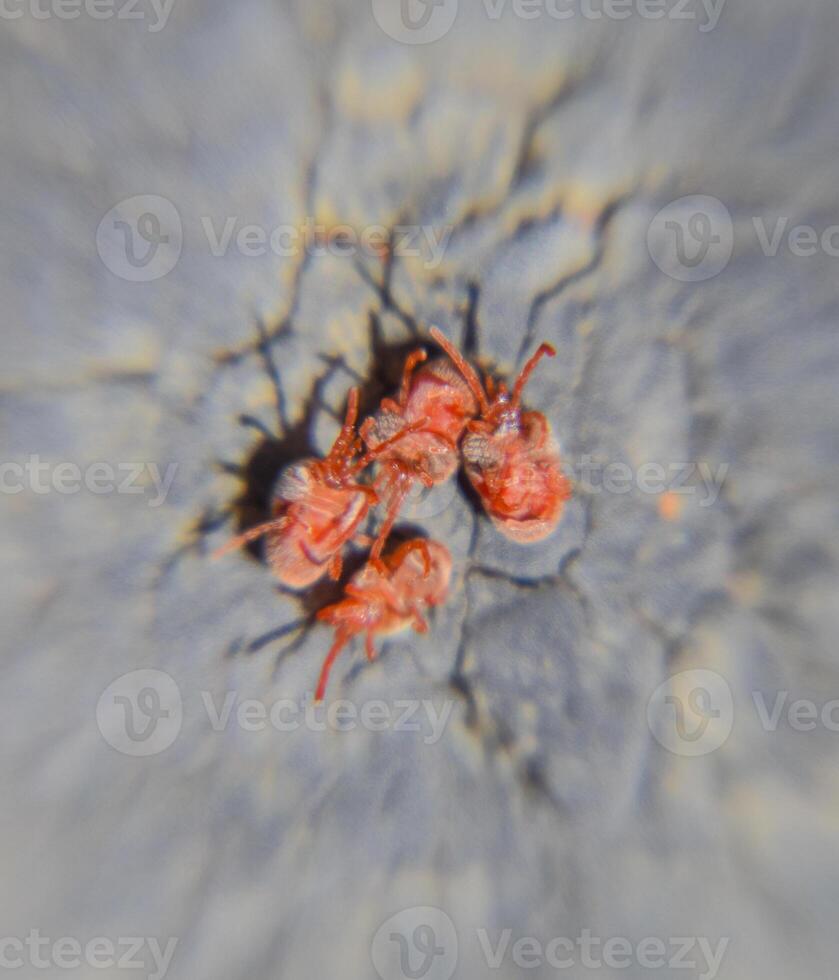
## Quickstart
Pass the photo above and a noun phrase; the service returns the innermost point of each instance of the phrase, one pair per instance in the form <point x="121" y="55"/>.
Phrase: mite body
<point x="386" y="596"/>
<point x="510" y="456"/>
<point x="317" y="508"/>
<point x="431" y="411"/>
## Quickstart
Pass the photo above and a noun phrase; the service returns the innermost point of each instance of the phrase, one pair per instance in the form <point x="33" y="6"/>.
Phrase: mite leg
<point x="343" y="445"/>
<point x="341" y="641"/>
<point x="545" y="350"/>
<point x="422" y="547"/>
<point x="464" y="367"/>
<point x="252" y="535"/>
<point x="368" y="643"/>
<point x="372" y="496"/>
<point x="420" y="622"/>
<point x="414" y="358"/>
<point x="398" y="491"/>
<point x="336" y="563"/>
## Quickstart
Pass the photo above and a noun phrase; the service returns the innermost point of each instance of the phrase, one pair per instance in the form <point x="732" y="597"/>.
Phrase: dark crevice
<point x="251" y="422"/>
<point x="207" y="522"/>
<point x="283" y="327"/>
<point x="544" y="297"/>
<point x="382" y="289"/>
<point x="517" y="581"/>
<point x="279" y="633"/>
<point x="533" y="775"/>
<point x="104" y="376"/>
<point x="470" y="321"/>
<point x="273" y="373"/>
<point x="534" y="122"/>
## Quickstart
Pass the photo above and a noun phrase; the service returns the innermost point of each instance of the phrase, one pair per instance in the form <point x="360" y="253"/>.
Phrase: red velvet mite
<point x="318" y="506"/>
<point x="510" y="455"/>
<point x="436" y="403"/>
<point x="387" y="596"/>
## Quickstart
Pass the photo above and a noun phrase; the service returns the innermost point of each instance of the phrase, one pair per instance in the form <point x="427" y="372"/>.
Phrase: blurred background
<point x="615" y="751"/>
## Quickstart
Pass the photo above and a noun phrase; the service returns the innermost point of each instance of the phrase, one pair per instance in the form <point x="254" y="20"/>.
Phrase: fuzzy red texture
<point x="510" y="456"/>
<point x="386" y="596"/>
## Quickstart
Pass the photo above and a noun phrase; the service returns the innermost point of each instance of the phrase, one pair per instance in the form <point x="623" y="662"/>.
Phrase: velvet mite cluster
<point x="442" y="416"/>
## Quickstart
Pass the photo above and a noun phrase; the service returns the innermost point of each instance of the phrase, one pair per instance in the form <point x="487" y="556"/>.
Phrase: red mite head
<point x="387" y="596"/>
<point x="510" y="456"/>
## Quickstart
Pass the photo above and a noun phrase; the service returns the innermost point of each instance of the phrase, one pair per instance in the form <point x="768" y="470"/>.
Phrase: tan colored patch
<point x="670" y="506"/>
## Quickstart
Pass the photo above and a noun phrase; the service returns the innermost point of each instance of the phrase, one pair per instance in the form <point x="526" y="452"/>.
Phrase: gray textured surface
<point x="547" y="807"/>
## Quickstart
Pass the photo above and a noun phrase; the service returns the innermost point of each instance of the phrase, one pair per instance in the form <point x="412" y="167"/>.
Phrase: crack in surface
<point x="545" y="296"/>
<point x="283" y="323"/>
<point x="536" y="118"/>
<point x="384" y="293"/>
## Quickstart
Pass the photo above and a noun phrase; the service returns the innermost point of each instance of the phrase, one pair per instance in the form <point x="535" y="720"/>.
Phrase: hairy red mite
<point x="386" y="596"/>
<point x="318" y="506"/>
<point x="510" y="455"/>
<point x="430" y="412"/>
